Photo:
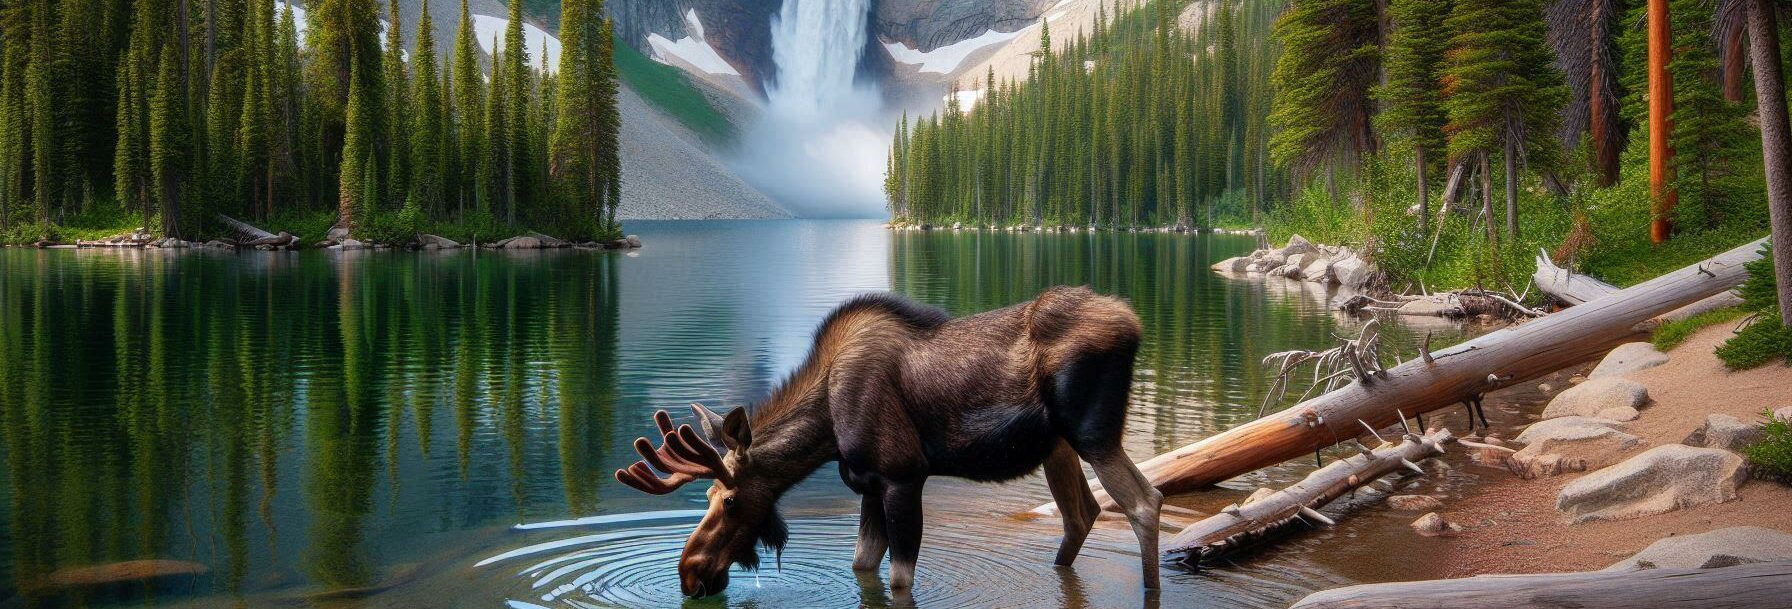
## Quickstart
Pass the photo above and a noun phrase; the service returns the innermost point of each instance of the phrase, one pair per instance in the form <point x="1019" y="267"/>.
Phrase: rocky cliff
<point x="926" y="25"/>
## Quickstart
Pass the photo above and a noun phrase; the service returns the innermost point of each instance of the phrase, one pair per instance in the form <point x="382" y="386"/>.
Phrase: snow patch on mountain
<point x="694" y="49"/>
<point x="536" y="41"/>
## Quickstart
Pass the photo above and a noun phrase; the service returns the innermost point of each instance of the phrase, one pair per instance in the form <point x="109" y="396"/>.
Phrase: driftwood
<point x="1566" y="285"/>
<point x="1767" y="584"/>
<point x="1239" y="525"/>
<point x="1457" y="374"/>
<point x="1573" y="288"/>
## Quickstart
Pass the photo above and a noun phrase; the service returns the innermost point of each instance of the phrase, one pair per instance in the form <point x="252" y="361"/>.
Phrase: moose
<point x="897" y="392"/>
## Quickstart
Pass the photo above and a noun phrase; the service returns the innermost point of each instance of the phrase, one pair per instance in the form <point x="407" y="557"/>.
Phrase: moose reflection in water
<point x="897" y="392"/>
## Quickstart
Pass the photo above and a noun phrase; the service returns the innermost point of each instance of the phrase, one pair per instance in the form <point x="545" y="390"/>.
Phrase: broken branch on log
<point x="1486" y="363"/>
<point x="1238" y="526"/>
<point x="1766" y="584"/>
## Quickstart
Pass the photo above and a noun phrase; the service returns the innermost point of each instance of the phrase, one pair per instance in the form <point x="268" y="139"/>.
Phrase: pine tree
<point x="359" y="176"/>
<point x="169" y="142"/>
<point x="428" y="133"/>
<point x="397" y="116"/>
<point x="1710" y="133"/>
<point x="131" y="158"/>
<point x="515" y="105"/>
<point x="494" y="157"/>
<point x="1413" y="102"/>
<point x="1505" y="93"/>
<point x="1323" y="79"/>
<point x="574" y="156"/>
<point x="469" y="125"/>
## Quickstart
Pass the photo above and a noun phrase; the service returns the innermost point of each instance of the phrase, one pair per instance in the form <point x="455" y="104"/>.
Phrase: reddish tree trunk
<point x="1661" y="129"/>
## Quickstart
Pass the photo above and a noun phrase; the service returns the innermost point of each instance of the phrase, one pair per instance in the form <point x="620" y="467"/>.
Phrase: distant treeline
<point x="177" y="110"/>
<point x="1142" y="122"/>
<point x="1117" y="127"/>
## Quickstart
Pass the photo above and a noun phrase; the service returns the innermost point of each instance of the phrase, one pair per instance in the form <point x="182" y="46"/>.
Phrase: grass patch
<point x="1772" y="456"/>
<point x="671" y="90"/>
<point x="1671" y="334"/>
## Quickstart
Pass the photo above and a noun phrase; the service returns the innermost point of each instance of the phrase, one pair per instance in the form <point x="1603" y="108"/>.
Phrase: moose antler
<point x="682" y="453"/>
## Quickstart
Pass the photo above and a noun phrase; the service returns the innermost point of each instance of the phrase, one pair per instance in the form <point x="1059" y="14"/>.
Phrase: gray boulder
<point x="1273" y="259"/>
<point x="1353" y="272"/>
<point x="1298" y="261"/>
<point x="436" y="242"/>
<point x="1318" y="270"/>
<point x="1571" y="444"/>
<point x="349" y="244"/>
<point x="1725" y="432"/>
<point x="1720" y="548"/>
<point x="1297" y="245"/>
<point x="634" y="242"/>
<point x="1628" y="358"/>
<point x="1433" y="524"/>
<point x="523" y="243"/>
<point x="1660" y="480"/>
<point x="1232" y="265"/>
<point x="1606" y="398"/>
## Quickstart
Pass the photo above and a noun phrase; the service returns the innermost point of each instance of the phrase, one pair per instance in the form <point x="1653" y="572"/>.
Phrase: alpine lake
<point x="438" y="429"/>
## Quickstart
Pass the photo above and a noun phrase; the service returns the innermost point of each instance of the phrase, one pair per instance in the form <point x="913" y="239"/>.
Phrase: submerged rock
<point x="1720" y="548"/>
<point x="122" y="572"/>
<point x="1433" y="524"/>
<point x="1415" y="503"/>
<point x="1603" y="398"/>
<point x="1628" y="358"/>
<point x="1725" y="432"/>
<point x="1660" y="480"/>
<point x="431" y="242"/>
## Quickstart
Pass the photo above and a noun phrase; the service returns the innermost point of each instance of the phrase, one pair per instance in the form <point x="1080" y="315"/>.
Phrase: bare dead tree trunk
<point x="1511" y="154"/>
<point x="1424" y="188"/>
<point x="1776" y="141"/>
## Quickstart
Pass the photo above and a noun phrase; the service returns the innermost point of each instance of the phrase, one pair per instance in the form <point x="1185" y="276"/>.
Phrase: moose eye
<point x="728" y="503"/>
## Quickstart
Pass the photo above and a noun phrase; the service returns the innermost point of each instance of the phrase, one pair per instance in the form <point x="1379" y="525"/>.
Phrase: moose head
<point x="743" y="510"/>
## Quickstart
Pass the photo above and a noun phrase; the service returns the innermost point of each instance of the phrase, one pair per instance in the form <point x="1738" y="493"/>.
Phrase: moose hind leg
<point x="872" y="540"/>
<point x="1077" y="506"/>
<point x="902" y="524"/>
<point x="1137" y="498"/>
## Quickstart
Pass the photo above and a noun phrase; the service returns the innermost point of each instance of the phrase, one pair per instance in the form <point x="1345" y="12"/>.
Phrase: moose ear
<point x="736" y="432"/>
<point x="710" y="425"/>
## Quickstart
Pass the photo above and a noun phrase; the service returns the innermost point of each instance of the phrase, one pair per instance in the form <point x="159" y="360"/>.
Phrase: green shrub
<point x="391" y="228"/>
<point x="1767" y="338"/>
<point x="1772" y="456"/>
<point x="1671" y="334"/>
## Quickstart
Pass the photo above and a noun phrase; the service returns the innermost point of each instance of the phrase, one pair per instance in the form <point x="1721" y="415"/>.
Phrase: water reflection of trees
<point x="1198" y="370"/>
<point x="270" y="414"/>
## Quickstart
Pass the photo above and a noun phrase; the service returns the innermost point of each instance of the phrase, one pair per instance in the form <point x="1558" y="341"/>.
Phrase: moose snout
<point x="698" y="578"/>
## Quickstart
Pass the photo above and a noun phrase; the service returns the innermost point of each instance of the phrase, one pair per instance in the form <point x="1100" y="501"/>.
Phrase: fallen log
<point x="1573" y="288"/>
<point x="243" y="231"/>
<point x="1767" y="584"/>
<point x="1237" y="526"/>
<point x="1568" y="286"/>
<point x="1452" y="375"/>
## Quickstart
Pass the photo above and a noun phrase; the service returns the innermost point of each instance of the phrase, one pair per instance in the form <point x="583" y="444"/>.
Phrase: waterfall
<point x="820" y="147"/>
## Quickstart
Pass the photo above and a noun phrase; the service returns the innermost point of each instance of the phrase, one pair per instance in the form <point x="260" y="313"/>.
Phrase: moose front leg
<point x="872" y="539"/>
<point x="902" y="525"/>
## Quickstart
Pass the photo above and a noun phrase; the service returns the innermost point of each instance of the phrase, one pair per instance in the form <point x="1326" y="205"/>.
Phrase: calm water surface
<point x="392" y="429"/>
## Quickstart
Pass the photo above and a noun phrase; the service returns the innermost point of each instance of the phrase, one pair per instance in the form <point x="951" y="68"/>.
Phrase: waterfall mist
<point x="820" y="147"/>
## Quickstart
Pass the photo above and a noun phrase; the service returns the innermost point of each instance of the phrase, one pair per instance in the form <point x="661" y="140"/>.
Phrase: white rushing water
<point x="821" y="146"/>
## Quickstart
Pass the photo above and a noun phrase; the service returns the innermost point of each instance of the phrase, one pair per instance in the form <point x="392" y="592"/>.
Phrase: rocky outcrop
<point x="930" y="24"/>
<point x="1571" y="444"/>
<point x="739" y="30"/>
<point x="1715" y="549"/>
<point x="1302" y="259"/>
<point x="1725" y="432"/>
<point x="1612" y="398"/>
<point x="1628" y="358"/>
<point x="1660" y="480"/>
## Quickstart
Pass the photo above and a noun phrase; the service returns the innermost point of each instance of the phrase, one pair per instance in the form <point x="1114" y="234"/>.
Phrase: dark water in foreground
<point x="382" y="429"/>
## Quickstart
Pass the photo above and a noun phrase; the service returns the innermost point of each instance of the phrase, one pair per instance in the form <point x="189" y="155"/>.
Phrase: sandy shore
<point x="1511" y="525"/>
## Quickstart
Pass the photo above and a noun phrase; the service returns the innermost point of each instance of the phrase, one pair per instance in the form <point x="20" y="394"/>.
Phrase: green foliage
<point x="671" y="91"/>
<point x="1772" y="456"/>
<point x="173" y="116"/>
<point x="400" y="226"/>
<point x="1767" y="338"/>
<point x="1323" y="79"/>
<point x="1672" y="333"/>
<point x="1414" y="103"/>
